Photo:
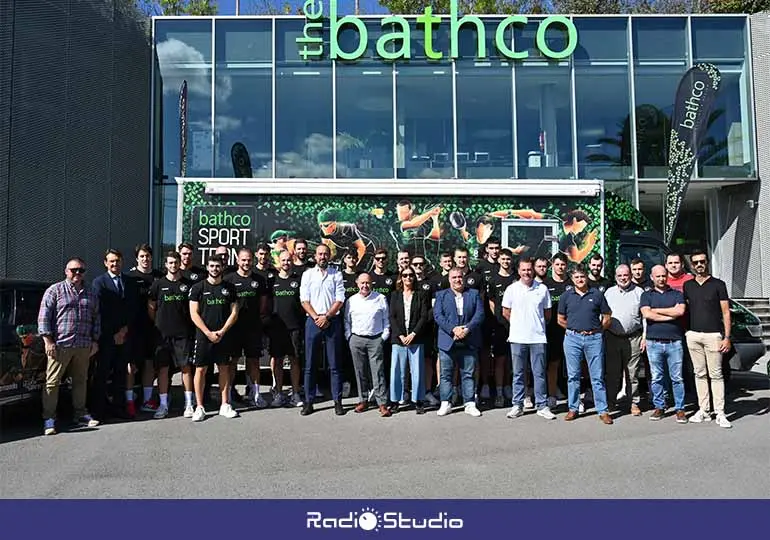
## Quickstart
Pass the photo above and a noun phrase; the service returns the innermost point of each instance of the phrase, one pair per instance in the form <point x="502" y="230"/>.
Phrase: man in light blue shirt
<point x="322" y="294"/>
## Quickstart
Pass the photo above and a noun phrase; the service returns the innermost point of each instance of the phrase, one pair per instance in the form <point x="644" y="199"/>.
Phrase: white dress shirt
<point x="321" y="288"/>
<point x="367" y="316"/>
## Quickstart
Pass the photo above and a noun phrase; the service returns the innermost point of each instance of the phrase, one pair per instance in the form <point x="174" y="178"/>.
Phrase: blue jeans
<point x="334" y="342"/>
<point x="662" y="355"/>
<point x="466" y="358"/>
<point x="592" y="347"/>
<point x="399" y="357"/>
<point x="535" y="353"/>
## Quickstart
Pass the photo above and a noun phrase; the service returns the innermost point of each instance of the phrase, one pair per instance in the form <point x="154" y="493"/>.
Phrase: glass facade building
<point x="603" y="112"/>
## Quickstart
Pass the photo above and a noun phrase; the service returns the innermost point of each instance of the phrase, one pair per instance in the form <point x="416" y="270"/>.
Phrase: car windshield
<point x="651" y="255"/>
<point x="27" y="306"/>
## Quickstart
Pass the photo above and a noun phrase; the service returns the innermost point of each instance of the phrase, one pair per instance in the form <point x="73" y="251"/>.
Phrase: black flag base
<point x="692" y="107"/>
<point x="241" y="161"/>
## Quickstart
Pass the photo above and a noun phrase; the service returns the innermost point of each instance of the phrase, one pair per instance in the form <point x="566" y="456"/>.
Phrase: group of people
<point x="505" y="332"/>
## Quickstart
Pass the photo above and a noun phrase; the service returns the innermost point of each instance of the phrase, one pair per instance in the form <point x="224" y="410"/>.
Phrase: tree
<point x="267" y="7"/>
<point x="579" y="6"/>
<point x="179" y="7"/>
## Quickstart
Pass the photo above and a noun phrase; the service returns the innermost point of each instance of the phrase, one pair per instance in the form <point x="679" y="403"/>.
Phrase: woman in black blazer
<point x="408" y="334"/>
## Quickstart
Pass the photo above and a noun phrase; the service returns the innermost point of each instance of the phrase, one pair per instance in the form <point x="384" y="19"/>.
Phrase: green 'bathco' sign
<point x="396" y="45"/>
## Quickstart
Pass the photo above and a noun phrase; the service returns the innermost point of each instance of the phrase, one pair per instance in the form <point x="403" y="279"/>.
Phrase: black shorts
<point x="555" y="337"/>
<point x="143" y="343"/>
<point x="206" y="353"/>
<point x="488" y="329"/>
<point x="173" y="351"/>
<point x="500" y="346"/>
<point x="246" y="340"/>
<point x="285" y="342"/>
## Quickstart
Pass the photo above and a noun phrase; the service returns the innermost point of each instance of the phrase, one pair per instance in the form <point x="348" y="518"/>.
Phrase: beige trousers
<point x="77" y="360"/>
<point x="707" y="364"/>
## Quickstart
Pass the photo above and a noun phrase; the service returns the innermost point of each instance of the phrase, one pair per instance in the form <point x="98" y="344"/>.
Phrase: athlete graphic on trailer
<point x="413" y="230"/>
<point x="339" y="231"/>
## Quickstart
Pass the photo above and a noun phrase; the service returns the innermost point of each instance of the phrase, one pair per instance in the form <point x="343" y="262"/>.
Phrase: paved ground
<point x="278" y="454"/>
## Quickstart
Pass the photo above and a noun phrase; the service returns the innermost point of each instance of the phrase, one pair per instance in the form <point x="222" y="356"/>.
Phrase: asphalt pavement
<point x="276" y="453"/>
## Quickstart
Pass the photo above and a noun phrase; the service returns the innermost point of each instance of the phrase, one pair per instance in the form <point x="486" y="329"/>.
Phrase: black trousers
<point x="111" y="366"/>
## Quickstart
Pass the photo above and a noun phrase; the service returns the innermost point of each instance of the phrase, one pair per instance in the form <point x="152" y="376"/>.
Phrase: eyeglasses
<point x="699" y="262"/>
<point x="418" y="264"/>
<point x="380" y="258"/>
<point x="410" y="275"/>
<point x="77" y="270"/>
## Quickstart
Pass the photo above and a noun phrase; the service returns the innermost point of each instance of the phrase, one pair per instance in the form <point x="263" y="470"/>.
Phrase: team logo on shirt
<point x="388" y="281"/>
<point x="471" y="281"/>
<point x="569" y="288"/>
<point x="193" y="276"/>
<point x="254" y="285"/>
<point x="182" y="288"/>
<point x="426" y="286"/>
<point x="293" y="284"/>
<point x="225" y="292"/>
<point x="270" y="275"/>
<point x="601" y="288"/>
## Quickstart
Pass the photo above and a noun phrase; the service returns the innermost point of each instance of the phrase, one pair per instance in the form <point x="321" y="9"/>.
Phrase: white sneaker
<point x="515" y="412"/>
<point x="199" y="415"/>
<point x="346" y="390"/>
<point x="431" y="400"/>
<point x="445" y="409"/>
<point x="259" y="402"/>
<point x="508" y="392"/>
<point x="472" y="410"/>
<point x="723" y="422"/>
<point x="278" y="400"/>
<point x="546" y="413"/>
<point x="485" y="392"/>
<point x="227" y="411"/>
<point x="621" y="396"/>
<point x="700" y="416"/>
<point x="188" y="411"/>
<point x="296" y="400"/>
<point x="528" y="403"/>
<point x="552" y="403"/>
<point x="162" y="412"/>
<point x="581" y="407"/>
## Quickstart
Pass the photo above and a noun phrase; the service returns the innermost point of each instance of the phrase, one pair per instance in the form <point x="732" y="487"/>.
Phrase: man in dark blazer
<point x="118" y="302"/>
<point x="459" y="314"/>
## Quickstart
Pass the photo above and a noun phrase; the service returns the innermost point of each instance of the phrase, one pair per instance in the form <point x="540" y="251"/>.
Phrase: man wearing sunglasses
<point x="428" y="284"/>
<point x="69" y="324"/>
<point x="708" y="337"/>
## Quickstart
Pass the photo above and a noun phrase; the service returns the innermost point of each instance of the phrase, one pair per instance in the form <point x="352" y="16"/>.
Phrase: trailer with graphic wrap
<point x="578" y="218"/>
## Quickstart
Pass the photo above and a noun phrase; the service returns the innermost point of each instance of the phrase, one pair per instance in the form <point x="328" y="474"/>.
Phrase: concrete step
<point x="761" y="312"/>
<point x="754" y="302"/>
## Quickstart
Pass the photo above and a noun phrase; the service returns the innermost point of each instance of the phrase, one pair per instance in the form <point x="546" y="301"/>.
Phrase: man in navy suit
<point x="459" y="314"/>
<point x="118" y="301"/>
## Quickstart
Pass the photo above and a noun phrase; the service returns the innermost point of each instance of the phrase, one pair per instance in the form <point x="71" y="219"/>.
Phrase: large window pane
<point x="364" y="110"/>
<point x="727" y="150"/>
<point x="303" y="109"/>
<point x="244" y="89"/>
<point x="660" y="60"/>
<point x="425" y="135"/>
<point x="484" y="107"/>
<point x="603" y="99"/>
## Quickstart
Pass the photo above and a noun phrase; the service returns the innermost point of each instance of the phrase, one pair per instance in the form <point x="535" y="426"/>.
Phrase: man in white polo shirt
<point x="527" y="306"/>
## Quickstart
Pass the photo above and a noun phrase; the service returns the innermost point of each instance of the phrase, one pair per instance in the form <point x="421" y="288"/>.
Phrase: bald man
<point x="662" y="307"/>
<point x="624" y="341"/>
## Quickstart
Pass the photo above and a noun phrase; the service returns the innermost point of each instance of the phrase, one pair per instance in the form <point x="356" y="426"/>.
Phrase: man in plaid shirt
<point x="68" y="322"/>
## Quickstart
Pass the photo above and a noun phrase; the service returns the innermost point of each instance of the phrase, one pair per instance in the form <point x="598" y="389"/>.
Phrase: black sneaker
<point x="419" y="408"/>
<point x="339" y="410"/>
<point x="307" y="409"/>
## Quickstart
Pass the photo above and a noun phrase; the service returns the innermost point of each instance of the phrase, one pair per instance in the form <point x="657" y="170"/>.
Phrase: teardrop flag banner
<point x="692" y="107"/>
<point x="183" y="129"/>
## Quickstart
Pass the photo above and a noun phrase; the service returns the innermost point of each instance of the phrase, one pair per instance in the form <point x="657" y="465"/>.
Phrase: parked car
<point x="22" y="352"/>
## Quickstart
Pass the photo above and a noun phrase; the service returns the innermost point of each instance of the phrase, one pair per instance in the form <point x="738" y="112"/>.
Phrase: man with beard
<point x="383" y="281"/>
<point x="639" y="275"/>
<point x="223" y="252"/>
<point x="487" y="268"/>
<point x="214" y="311"/>
<point x="246" y="334"/>
<point x="189" y="270"/>
<point x="265" y="270"/>
<point x="403" y="260"/>
<point x="427" y="285"/>
<point x="301" y="261"/>
<point x="496" y="287"/>
<point x="286" y="329"/>
<point x="168" y="307"/>
<point x="595" y="277"/>
<point x="541" y="269"/>
<point x="322" y="295"/>
<point x="557" y="283"/>
<point x="145" y="339"/>
<point x="349" y="276"/>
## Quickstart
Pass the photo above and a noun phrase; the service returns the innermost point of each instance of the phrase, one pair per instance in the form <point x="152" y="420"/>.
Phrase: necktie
<point x="119" y="285"/>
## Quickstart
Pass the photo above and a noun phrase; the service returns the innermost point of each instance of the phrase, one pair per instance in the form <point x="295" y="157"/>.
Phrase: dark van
<point x="22" y="352"/>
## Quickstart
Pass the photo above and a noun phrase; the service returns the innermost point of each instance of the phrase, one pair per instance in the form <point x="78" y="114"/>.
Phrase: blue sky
<point x="227" y="7"/>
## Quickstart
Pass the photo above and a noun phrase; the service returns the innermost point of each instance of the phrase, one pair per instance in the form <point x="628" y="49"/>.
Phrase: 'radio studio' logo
<point x="370" y="519"/>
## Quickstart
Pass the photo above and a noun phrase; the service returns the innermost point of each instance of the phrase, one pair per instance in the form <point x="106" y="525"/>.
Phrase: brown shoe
<point x="635" y="410"/>
<point x="361" y="407"/>
<point x="571" y="416"/>
<point x="681" y="417"/>
<point x="606" y="418"/>
<point x="384" y="411"/>
<point x="657" y="414"/>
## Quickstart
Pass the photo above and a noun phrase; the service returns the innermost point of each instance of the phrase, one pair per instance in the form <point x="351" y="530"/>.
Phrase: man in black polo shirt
<point x="350" y="272"/>
<point x="169" y="307"/>
<point x="496" y="286"/>
<point x="584" y="313"/>
<point x="286" y="326"/>
<point x="541" y="269"/>
<point x="214" y="311"/>
<point x="489" y="265"/>
<point x="301" y="260"/>
<point x="246" y="334"/>
<point x="486" y="269"/>
<point x="708" y="337"/>
<point x="383" y="281"/>
<point x="557" y="283"/>
<point x="189" y="270"/>
<point x="595" y="278"/>
<point x="663" y="306"/>
<point x="639" y="275"/>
